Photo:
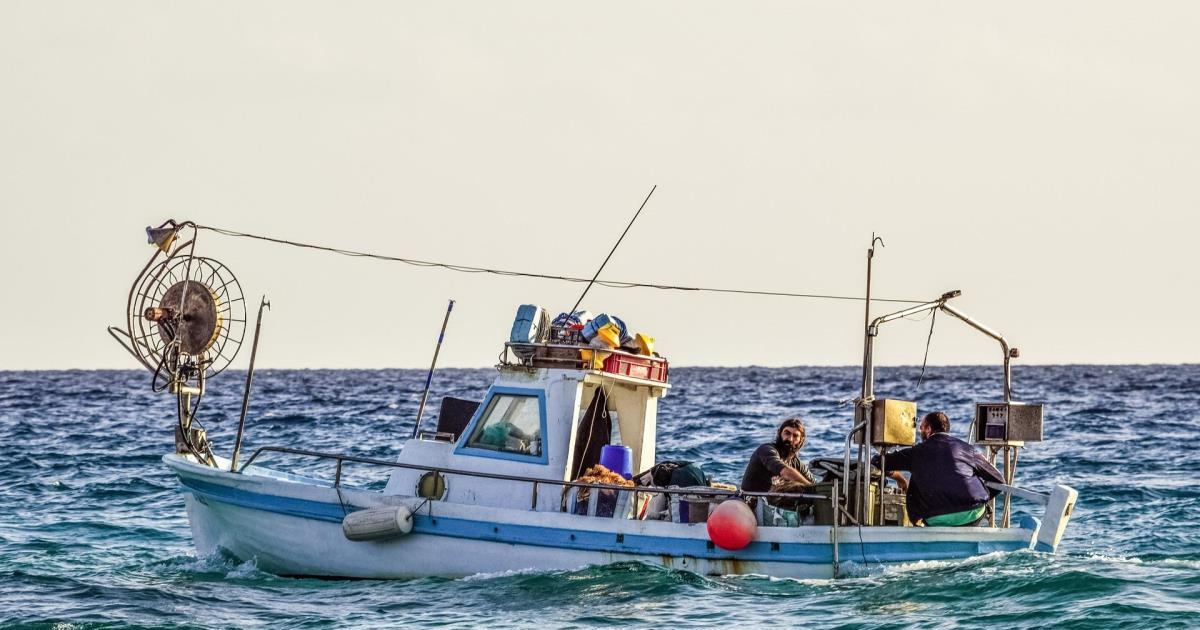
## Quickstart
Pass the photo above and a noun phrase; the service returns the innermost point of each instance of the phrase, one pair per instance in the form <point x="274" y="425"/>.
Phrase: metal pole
<point x="237" y="443"/>
<point x="429" y="378"/>
<point x="862" y="501"/>
<point x="1010" y="473"/>
<point x="991" y="451"/>
<point x="846" y="479"/>
<point x="837" y="516"/>
<point x="868" y="387"/>
<point x="882" y="480"/>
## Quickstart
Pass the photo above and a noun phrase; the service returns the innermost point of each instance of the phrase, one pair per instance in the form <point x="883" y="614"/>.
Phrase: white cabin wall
<point x="649" y="430"/>
<point x="631" y="411"/>
<point x="637" y="408"/>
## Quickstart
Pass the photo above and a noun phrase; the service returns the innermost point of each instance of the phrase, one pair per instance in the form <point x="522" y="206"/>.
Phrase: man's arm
<point x="897" y="460"/>
<point x="901" y="459"/>
<point x="776" y="466"/>
<point x="791" y="474"/>
<point x="987" y="472"/>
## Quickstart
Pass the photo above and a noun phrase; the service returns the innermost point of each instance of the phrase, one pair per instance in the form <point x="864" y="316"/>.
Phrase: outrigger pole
<point x="237" y="443"/>
<point x="429" y="379"/>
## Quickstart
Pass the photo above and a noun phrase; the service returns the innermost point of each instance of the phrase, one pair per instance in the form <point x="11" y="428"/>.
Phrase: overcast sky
<point x="1041" y="157"/>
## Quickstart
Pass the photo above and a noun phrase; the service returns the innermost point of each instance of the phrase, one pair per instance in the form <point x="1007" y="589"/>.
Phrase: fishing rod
<point x="612" y="251"/>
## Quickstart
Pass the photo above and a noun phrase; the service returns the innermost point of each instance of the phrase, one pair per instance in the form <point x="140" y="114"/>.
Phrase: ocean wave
<point x="94" y="531"/>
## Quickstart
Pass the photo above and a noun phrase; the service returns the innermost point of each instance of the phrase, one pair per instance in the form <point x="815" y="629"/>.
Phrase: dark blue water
<point x="93" y="532"/>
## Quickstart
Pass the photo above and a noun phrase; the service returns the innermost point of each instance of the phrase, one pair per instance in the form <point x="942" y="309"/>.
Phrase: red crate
<point x="648" y="368"/>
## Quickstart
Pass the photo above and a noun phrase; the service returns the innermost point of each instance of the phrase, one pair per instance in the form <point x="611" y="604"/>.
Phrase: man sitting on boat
<point x="776" y="466"/>
<point x="947" y="474"/>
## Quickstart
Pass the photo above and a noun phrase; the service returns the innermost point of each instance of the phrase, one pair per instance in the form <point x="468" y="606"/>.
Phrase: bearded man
<point x="776" y="466"/>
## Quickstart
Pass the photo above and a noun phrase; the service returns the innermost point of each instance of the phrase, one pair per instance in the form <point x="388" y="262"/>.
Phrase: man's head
<point x="790" y="436"/>
<point x="936" y="422"/>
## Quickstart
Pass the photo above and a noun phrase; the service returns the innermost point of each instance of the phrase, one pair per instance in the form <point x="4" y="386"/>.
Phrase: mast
<point x="862" y="478"/>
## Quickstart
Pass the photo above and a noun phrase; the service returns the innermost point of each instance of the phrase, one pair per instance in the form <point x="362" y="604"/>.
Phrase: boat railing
<point x="536" y="483"/>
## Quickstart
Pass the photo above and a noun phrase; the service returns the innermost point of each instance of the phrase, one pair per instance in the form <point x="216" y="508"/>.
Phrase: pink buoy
<point x="732" y="525"/>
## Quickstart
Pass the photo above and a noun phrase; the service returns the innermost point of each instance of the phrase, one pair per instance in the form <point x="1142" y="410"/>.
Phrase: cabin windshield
<point x="510" y="424"/>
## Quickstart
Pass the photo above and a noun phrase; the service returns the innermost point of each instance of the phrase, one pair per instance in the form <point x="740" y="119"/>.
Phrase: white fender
<point x="378" y="523"/>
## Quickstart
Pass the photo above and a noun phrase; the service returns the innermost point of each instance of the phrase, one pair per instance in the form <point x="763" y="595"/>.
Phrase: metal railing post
<point x="834" y="533"/>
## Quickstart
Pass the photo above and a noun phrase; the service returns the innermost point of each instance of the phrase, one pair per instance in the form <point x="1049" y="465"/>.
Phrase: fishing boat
<point x="498" y="484"/>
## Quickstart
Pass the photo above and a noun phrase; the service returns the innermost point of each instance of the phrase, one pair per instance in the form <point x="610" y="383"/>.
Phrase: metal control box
<point x="1006" y="423"/>
<point x="895" y="510"/>
<point x="893" y="423"/>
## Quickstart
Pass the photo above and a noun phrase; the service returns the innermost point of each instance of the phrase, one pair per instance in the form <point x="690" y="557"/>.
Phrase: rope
<point x="928" y="340"/>
<point x="501" y="272"/>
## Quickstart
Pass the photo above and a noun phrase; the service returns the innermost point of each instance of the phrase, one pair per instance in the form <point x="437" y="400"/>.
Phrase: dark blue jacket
<point x="947" y="476"/>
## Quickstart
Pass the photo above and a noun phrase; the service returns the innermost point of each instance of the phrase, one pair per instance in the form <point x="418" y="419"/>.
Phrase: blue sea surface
<point x="93" y="532"/>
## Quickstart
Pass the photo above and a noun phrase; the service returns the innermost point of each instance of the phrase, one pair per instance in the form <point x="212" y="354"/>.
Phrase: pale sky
<point x="1041" y="157"/>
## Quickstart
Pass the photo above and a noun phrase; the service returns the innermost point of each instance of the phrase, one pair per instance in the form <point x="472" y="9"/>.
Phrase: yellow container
<point x="594" y="358"/>
<point x="609" y="334"/>
<point x="645" y="344"/>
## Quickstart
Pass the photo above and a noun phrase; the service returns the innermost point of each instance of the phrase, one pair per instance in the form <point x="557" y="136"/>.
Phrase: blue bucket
<point x="618" y="459"/>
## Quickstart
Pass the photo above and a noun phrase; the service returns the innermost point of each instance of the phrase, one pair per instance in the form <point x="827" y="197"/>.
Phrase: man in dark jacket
<point x="947" y="474"/>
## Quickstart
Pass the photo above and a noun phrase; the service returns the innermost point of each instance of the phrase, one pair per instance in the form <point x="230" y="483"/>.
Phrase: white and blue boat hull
<point x="292" y="526"/>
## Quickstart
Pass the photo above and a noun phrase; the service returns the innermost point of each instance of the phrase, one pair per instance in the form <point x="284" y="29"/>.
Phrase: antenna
<point x="614" y="249"/>
<point x="868" y="385"/>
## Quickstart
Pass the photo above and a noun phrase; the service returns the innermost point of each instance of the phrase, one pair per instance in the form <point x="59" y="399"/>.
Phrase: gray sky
<point x="1042" y="157"/>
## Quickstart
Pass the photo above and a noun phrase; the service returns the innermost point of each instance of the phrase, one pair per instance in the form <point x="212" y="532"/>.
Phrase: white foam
<point x="852" y="569"/>
<point x="503" y="574"/>
<point x="772" y="578"/>
<point x="1168" y="562"/>
<point x="246" y="569"/>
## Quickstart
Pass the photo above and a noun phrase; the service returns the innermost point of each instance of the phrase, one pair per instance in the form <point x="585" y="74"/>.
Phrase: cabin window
<point x="510" y="424"/>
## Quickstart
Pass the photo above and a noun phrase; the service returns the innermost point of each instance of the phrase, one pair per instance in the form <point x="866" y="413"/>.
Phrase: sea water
<point x="93" y="532"/>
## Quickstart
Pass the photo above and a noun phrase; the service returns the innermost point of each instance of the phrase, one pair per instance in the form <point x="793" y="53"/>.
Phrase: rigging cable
<point x="502" y="272"/>
<point x="928" y="340"/>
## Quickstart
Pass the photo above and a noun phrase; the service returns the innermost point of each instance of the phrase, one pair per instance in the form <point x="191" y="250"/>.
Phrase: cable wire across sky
<point x="616" y="284"/>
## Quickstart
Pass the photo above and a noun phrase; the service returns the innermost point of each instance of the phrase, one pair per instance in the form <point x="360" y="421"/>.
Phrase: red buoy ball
<point x="732" y="525"/>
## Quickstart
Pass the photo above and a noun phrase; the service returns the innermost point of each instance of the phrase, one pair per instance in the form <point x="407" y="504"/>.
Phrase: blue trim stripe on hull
<point x="590" y="540"/>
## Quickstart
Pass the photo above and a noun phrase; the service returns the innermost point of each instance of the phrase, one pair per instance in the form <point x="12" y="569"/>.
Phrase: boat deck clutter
<point x="578" y="340"/>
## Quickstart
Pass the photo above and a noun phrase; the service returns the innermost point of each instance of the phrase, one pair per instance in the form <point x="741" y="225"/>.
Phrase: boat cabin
<point x="546" y="416"/>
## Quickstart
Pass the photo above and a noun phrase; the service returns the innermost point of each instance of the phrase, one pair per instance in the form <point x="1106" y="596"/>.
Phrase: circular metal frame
<point x="152" y="342"/>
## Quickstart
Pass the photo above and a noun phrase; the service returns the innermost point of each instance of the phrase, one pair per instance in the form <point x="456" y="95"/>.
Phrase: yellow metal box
<point x="893" y="423"/>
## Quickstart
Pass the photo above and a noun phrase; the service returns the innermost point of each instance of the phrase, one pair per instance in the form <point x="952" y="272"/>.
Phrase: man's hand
<point x="901" y="480"/>
<point x="791" y="474"/>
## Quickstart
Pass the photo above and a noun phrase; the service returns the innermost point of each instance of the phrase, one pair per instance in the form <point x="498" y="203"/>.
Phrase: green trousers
<point x="956" y="519"/>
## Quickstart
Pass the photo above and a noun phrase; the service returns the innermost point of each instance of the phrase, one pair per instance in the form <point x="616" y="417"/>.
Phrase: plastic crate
<point x="566" y="335"/>
<point x="648" y="368"/>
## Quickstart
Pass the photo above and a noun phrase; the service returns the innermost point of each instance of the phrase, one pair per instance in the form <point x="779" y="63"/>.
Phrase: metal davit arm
<point x="940" y="303"/>
<point x="1009" y="353"/>
<point x="868" y="391"/>
<point x="869" y="368"/>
